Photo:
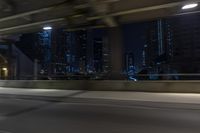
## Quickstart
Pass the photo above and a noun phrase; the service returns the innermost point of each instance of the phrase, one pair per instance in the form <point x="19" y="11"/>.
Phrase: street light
<point x="190" y="6"/>
<point x="4" y="69"/>
<point x="47" y="28"/>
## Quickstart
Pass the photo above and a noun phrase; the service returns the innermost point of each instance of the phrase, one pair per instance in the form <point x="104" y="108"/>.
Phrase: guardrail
<point x="169" y="76"/>
<point x="107" y="85"/>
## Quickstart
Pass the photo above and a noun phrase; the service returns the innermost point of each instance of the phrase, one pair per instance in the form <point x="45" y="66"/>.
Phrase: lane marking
<point x="2" y="118"/>
<point x="148" y="107"/>
<point x="2" y="131"/>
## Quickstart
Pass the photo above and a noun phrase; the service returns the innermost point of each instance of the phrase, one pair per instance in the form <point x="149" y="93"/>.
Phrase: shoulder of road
<point x="105" y="95"/>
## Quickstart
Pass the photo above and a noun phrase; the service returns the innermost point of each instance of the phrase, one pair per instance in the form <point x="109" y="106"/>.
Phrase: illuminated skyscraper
<point x="186" y="40"/>
<point x="129" y="61"/>
<point x="81" y="40"/>
<point x="158" y="49"/>
<point x="44" y="42"/>
<point x="98" y="55"/>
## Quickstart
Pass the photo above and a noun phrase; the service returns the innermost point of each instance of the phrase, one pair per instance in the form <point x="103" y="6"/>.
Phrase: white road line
<point x="2" y="118"/>
<point x="2" y="131"/>
<point x="125" y="106"/>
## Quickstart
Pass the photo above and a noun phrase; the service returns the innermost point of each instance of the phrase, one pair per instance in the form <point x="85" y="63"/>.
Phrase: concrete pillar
<point x="10" y="61"/>
<point x="116" y="49"/>
<point x="35" y="69"/>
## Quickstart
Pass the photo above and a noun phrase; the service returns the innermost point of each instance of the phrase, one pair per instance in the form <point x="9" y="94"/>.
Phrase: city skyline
<point x="153" y="45"/>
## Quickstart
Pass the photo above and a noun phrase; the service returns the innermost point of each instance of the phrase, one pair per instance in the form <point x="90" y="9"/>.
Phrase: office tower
<point x="159" y="47"/>
<point x="186" y="40"/>
<point x="44" y="44"/>
<point x="98" y="55"/>
<point x="81" y="40"/>
<point x="129" y="61"/>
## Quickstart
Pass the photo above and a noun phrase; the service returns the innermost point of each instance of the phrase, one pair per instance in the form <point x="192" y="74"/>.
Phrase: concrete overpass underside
<point x="19" y="16"/>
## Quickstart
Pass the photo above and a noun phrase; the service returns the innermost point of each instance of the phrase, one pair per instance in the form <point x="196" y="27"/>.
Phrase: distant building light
<point x="190" y="6"/>
<point x="47" y="28"/>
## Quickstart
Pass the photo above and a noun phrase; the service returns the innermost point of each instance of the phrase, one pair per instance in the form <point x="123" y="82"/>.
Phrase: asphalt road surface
<point x="96" y="116"/>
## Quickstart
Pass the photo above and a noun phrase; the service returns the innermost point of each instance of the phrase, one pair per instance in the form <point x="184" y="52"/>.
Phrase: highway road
<point x="77" y="115"/>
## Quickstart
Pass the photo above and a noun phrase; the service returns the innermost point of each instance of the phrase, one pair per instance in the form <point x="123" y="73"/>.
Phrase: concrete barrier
<point x="108" y="85"/>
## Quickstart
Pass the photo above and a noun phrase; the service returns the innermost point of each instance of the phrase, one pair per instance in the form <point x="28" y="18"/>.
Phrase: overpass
<point x="17" y="16"/>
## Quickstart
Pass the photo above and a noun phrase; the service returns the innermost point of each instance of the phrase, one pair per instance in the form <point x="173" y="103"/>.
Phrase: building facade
<point x="98" y="55"/>
<point x="158" y="51"/>
<point x="186" y="40"/>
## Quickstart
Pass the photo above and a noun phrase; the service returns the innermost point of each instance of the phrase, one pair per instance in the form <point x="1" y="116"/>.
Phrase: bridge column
<point x="10" y="63"/>
<point x="116" y="49"/>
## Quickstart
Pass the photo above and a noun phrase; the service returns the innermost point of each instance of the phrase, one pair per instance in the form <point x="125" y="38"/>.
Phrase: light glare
<point x="47" y="28"/>
<point x="189" y="6"/>
<point x="4" y="69"/>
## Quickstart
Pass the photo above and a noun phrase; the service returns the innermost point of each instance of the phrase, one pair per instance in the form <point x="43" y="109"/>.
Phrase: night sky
<point x="134" y="40"/>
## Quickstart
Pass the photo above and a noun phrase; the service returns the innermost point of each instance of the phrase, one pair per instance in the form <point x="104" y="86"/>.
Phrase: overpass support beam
<point x="116" y="49"/>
